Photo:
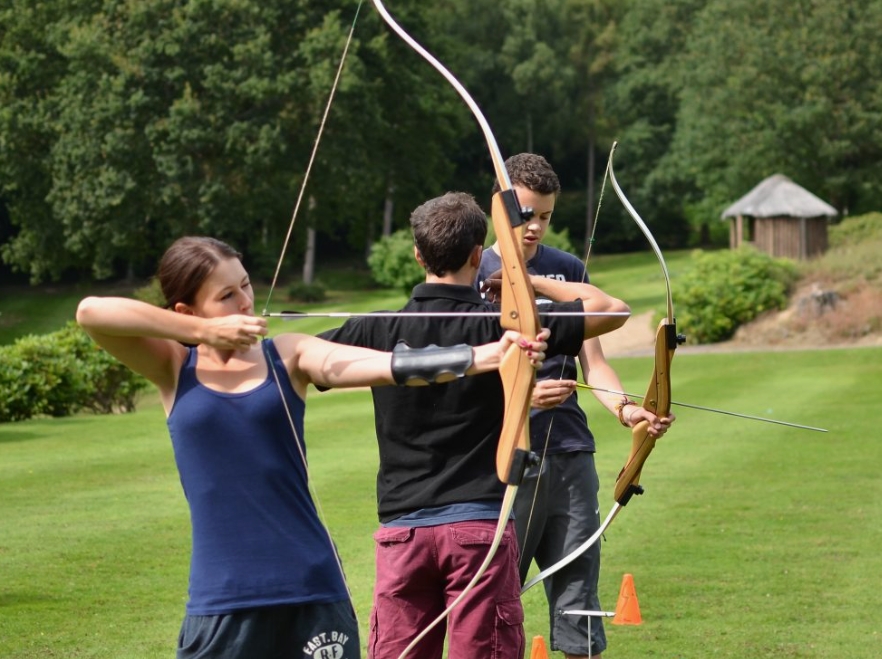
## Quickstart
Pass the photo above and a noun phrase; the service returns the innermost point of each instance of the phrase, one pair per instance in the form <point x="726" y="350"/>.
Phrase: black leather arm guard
<point x="430" y="365"/>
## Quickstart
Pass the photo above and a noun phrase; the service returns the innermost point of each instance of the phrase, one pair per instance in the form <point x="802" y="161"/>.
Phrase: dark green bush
<point x="302" y="292"/>
<point x="36" y="378"/>
<point x="151" y="293"/>
<point x="393" y="264"/>
<point x="107" y="385"/>
<point x="725" y="289"/>
<point x="62" y="373"/>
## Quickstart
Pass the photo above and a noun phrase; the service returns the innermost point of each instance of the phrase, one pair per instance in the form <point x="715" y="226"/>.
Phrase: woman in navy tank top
<point x="265" y="578"/>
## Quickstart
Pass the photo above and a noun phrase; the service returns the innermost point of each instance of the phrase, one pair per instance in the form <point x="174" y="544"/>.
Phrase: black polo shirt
<point x="438" y="443"/>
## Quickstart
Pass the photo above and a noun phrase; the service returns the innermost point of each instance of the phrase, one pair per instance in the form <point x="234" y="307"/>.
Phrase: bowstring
<point x="312" y="156"/>
<point x="585" y="265"/>
<point x="309" y="483"/>
<point x="575" y="359"/>
<point x="564" y="365"/>
<point x="596" y="217"/>
<point x="297" y="440"/>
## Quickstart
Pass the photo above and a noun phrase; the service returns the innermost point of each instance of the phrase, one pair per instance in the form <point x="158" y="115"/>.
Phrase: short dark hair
<point x="446" y="229"/>
<point x="531" y="171"/>
<point x="187" y="263"/>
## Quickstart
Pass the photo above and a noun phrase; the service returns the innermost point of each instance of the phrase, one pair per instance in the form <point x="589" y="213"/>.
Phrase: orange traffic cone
<point x="627" y="608"/>
<point x="538" y="650"/>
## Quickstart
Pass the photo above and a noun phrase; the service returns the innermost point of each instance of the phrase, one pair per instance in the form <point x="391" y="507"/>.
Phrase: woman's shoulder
<point x="290" y="344"/>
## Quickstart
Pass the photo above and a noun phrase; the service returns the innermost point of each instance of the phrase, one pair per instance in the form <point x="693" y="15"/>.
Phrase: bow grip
<point x="518" y="307"/>
<point x="657" y="401"/>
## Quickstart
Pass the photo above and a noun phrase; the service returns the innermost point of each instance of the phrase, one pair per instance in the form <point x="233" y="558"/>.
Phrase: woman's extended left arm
<point x="314" y="360"/>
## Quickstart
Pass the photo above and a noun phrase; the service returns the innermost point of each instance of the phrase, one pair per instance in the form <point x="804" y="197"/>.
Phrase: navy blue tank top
<point x="257" y="539"/>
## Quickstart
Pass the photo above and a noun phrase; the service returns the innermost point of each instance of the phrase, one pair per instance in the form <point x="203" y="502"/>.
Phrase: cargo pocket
<point x="392" y="546"/>
<point x="509" y="640"/>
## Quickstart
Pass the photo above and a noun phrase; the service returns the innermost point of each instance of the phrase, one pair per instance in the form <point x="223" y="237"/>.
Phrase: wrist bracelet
<point x="620" y="409"/>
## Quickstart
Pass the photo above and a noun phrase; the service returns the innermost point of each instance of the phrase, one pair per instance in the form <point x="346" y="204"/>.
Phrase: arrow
<point x="708" y="409"/>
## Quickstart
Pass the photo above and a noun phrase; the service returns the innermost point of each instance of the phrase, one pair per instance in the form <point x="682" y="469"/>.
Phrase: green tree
<point x="784" y="87"/>
<point x="31" y="67"/>
<point x="140" y="122"/>
<point x="407" y="121"/>
<point x="641" y="105"/>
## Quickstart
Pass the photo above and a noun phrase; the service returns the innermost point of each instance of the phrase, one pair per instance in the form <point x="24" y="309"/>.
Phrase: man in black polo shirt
<point x="437" y="491"/>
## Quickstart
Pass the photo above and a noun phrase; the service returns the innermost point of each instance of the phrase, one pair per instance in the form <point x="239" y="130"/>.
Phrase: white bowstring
<point x="315" y="146"/>
<point x="297" y="440"/>
<point x="564" y="366"/>
<point x="309" y="484"/>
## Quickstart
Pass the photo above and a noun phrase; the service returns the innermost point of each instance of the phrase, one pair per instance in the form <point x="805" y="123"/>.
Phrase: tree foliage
<point x="784" y="87"/>
<point x="125" y="125"/>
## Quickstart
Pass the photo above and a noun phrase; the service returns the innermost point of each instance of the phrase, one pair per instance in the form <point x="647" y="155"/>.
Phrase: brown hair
<point x="186" y="264"/>
<point x="531" y="171"/>
<point x="446" y="230"/>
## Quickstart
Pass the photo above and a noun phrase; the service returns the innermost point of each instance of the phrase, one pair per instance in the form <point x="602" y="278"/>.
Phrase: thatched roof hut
<point x="780" y="218"/>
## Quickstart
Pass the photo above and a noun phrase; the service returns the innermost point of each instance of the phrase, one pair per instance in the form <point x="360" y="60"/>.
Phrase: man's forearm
<point x="593" y="300"/>
<point x="563" y="291"/>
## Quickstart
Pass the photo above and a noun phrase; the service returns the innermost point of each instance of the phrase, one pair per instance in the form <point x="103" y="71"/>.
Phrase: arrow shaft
<point x="294" y="315"/>
<point x="708" y="409"/>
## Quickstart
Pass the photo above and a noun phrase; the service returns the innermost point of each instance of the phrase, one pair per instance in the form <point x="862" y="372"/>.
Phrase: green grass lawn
<point x="37" y="310"/>
<point x="751" y="540"/>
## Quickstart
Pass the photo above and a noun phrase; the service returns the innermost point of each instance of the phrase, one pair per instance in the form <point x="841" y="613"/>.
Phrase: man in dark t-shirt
<point x="437" y="491"/>
<point x="557" y="506"/>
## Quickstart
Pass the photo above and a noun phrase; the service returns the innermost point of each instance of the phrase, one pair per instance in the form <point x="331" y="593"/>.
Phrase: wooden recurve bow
<point x="518" y="313"/>
<point x="657" y="400"/>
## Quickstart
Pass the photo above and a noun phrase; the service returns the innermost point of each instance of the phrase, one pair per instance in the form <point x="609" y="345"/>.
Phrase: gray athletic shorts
<point x="303" y="631"/>
<point x="565" y="514"/>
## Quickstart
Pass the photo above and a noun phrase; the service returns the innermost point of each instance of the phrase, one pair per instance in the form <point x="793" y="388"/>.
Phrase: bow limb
<point x="518" y="313"/>
<point x="658" y="394"/>
<point x="573" y="555"/>
<point x="518" y="301"/>
<point x="657" y="400"/>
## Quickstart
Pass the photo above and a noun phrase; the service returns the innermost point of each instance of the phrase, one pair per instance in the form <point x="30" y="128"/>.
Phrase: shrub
<point x="392" y="262"/>
<point x="728" y="288"/>
<point x="62" y="373"/>
<point x="151" y="293"/>
<point x="36" y="378"/>
<point x="303" y="292"/>
<point x="107" y="385"/>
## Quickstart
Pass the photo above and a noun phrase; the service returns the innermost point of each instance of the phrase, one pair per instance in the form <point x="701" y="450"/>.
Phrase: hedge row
<point x="63" y="373"/>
